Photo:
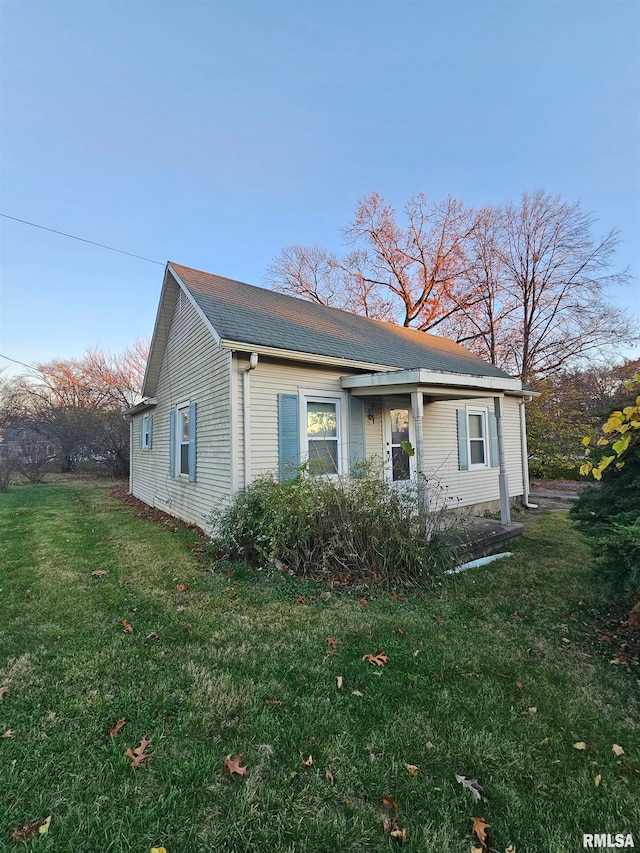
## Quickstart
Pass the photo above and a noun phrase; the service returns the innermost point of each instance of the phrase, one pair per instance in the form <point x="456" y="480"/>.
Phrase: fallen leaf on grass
<point x="389" y="803"/>
<point x="331" y="641"/>
<point x="99" y="573"/>
<point x="329" y="777"/>
<point x="472" y="675"/>
<point x="307" y="762"/>
<point x="24" y="833"/>
<point x="533" y="710"/>
<point x="472" y="786"/>
<point x="480" y="828"/>
<point x="399" y="834"/>
<point x="3" y="691"/>
<point x="621" y="660"/>
<point x="126" y="627"/>
<point x="277" y="702"/>
<point x="158" y="850"/>
<point x="519" y="685"/>
<point x="617" y="750"/>
<point x="139" y="754"/>
<point x="181" y="587"/>
<point x="363" y="602"/>
<point x="233" y="765"/>
<point x="8" y="733"/>
<point x="339" y="682"/>
<point x="115" y="731"/>
<point x="301" y="599"/>
<point x="580" y="745"/>
<point x="412" y="769"/>
<point x="376" y="660"/>
<point x="597" y="779"/>
<point x="438" y="619"/>
<point x="356" y="693"/>
<point x="510" y="849"/>
<point x="501" y="673"/>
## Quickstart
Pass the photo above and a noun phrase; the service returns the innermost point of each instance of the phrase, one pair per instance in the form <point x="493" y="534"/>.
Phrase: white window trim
<point x="146" y="444"/>
<point x="179" y="442"/>
<point x="313" y="395"/>
<point x="475" y="410"/>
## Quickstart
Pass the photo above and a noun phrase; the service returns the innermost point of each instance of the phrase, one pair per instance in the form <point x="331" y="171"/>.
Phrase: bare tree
<point x="525" y="286"/>
<point x="410" y="272"/>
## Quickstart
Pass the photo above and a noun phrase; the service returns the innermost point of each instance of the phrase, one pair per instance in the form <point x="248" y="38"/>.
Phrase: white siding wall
<point x="193" y="369"/>
<point x="466" y="488"/>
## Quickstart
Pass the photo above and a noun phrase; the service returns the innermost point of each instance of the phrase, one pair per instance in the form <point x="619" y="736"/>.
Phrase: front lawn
<point x="495" y="676"/>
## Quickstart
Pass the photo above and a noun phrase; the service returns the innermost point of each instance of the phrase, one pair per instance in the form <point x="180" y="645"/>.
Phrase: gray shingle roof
<point x="253" y="315"/>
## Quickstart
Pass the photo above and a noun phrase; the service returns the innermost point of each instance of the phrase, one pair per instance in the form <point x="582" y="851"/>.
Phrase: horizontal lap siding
<point x="193" y="369"/>
<point x="267" y="381"/>
<point x="465" y="488"/>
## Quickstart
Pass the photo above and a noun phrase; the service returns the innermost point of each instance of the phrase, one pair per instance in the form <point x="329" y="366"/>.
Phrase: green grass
<point x="200" y="693"/>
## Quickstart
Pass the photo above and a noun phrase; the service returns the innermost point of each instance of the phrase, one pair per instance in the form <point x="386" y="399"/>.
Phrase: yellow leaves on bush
<point x="619" y="432"/>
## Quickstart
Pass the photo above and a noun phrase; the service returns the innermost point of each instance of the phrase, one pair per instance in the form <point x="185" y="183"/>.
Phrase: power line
<point x="81" y="239"/>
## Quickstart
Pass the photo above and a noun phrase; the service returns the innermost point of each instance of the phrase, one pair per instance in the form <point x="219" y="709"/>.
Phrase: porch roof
<point x="434" y="383"/>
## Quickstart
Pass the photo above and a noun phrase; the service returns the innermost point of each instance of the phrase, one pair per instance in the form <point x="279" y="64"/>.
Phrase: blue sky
<point x="215" y="133"/>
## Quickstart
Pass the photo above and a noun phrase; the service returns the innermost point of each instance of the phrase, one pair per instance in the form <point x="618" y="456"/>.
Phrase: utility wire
<point x="81" y="239"/>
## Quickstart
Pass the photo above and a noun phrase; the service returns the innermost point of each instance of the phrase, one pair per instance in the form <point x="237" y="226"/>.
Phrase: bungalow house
<point x="243" y="382"/>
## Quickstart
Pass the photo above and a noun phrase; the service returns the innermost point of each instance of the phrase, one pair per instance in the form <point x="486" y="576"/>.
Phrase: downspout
<point x="246" y="416"/>
<point x="525" y="455"/>
<point x="130" y="456"/>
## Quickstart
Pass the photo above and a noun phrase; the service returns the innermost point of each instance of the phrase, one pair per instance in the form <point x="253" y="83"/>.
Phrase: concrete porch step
<point x="482" y="536"/>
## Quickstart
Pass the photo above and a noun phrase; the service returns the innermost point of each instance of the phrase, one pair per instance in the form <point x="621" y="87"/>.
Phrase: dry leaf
<point x="510" y="849"/>
<point x="387" y="801"/>
<point x="519" y="685"/>
<point x="501" y="673"/>
<point x="233" y="765"/>
<point x="617" y="750"/>
<point x="580" y="745"/>
<point x="8" y="733"/>
<point x="480" y="828"/>
<point x="308" y="762"/>
<point x="45" y="826"/>
<point x="412" y="769"/>
<point x="476" y="849"/>
<point x="181" y="587"/>
<point x="99" y="573"/>
<point x="115" y="731"/>
<point x="621" y="660"/>
<point x="597" y="779"/>
<point x="332" y="641"/>
<point x="24" y="833"/>
<point x="472" y="786"/>
<point x="376" y="660"/>
<point x="416" y="653"/>
<point x="363" y="602"/>
<point x="138" y="755"/>
<point x="356" y="693"/>
<point x="339" y="682"/>
<point x="3" y="691"/>
<point x="472" y="675"/>
<point x="127" y="628"/>
<point x="438" y="619"/>
<point x="278" y="702"/>
<point x="399" y="834"/>
<point x="533" y="710"/>
<point x="158" y="850"/>
<point x="329" y="777"/>
<point x="301" y="599"/>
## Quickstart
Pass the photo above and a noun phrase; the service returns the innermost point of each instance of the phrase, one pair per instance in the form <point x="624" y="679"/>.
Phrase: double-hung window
<point x="477" y="438"/>
<point x="183" y="440"/>
<point x="322" y="428"/>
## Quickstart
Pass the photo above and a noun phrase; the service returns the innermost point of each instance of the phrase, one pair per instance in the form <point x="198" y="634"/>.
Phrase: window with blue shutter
<point x="288" y="436"/>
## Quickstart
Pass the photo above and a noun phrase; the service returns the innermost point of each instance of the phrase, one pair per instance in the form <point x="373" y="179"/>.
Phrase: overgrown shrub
<point x="7" y="467"/>
<point x="363" y="530"/>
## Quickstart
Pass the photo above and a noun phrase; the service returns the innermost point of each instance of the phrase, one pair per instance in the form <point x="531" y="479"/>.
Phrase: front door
<point x="399" y="466"/>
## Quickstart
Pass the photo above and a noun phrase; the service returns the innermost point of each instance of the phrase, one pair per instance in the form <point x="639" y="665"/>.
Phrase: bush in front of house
<point x="361" y="531"/>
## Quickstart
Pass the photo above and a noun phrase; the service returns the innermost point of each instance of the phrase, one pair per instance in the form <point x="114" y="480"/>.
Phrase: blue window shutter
<point x="172" y="443"/>
<point x="150" y="431"/>
<point x="192" y="442"/>
<point x="463" y="454"/>
<point x="140" y="431"/>
<point x="357" y="453"/>
<point x="493" y="438"/>
<point x="288" y="436"/>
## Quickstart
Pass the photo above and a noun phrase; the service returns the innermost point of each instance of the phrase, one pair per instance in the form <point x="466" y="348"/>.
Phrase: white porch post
<point x="417" y="404"/>
<point x="503" y="477"/>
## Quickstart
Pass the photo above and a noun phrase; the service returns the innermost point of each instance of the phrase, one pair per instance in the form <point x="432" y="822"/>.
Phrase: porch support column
<point x="503" y="477"/>
<point x="417" y="404"/>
